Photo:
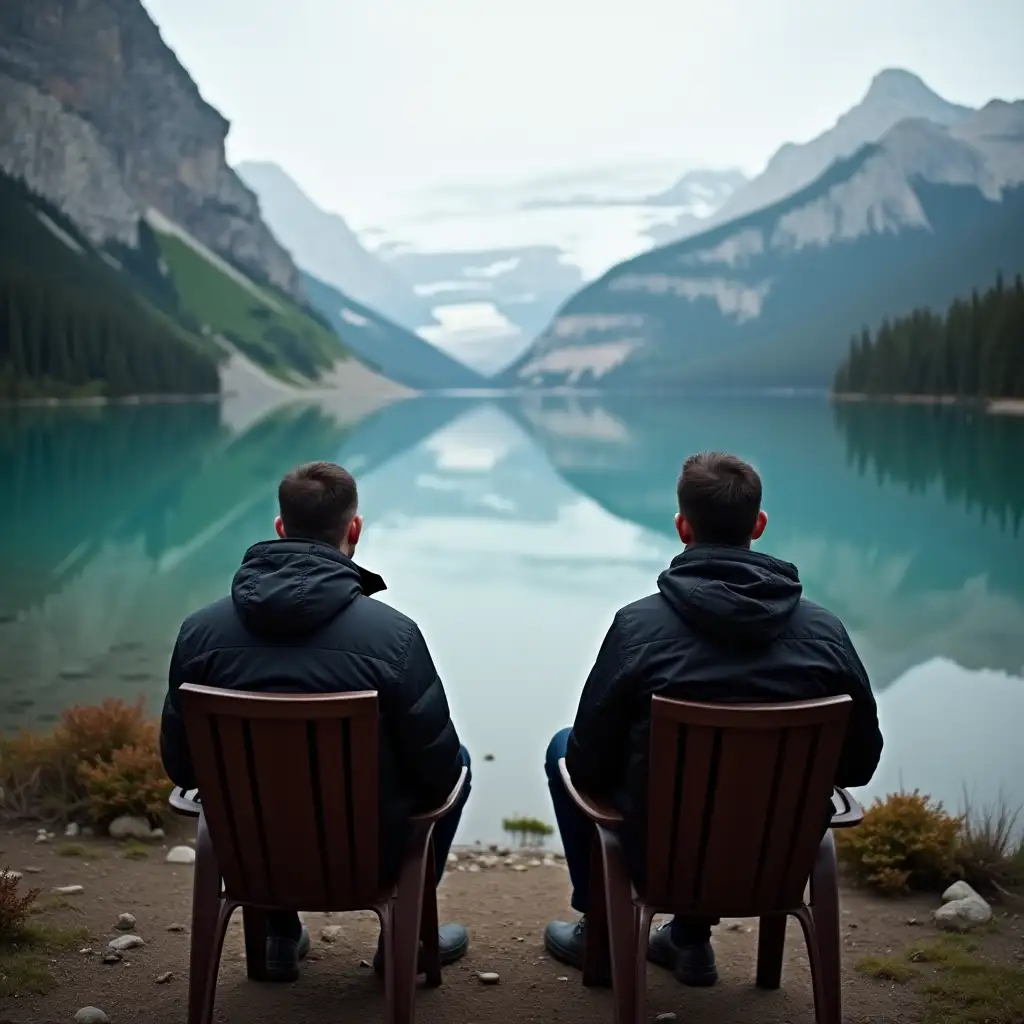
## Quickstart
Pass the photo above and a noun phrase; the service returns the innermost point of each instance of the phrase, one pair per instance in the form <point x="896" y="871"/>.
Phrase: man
<point x="300" y="620"/>
<point x="727" y="624"/>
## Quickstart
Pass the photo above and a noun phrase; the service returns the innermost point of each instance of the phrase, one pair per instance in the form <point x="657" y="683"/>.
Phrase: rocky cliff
<point x="98" y="116"/>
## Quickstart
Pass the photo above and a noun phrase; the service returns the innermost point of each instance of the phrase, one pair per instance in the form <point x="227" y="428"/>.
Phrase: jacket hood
<point x="292" y="587"/>
<point x="731" y="594"/>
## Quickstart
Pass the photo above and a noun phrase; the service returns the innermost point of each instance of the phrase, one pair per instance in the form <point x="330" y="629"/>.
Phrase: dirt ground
<point x="505" y="911"/>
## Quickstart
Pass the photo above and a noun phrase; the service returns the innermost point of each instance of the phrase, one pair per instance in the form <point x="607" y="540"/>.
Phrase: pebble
<point x="87" y="949"/>
<point x="452" y="860"/>
<point x="111" y="958"/>
<point x="365" y="963"/>
<point x="71" y="830"/>
<point x="125" y="922"/>
<point x="162" y="979"/>
<point x="534" y="862"/>
<point x="69" y="890"/>
<point x="518" y="867"/>
<point x="123" y="942"/>
<point x="181" y="855"/>
<point x="33" y="871"/>
<point x="91" y="1015"/>
<point x="563" y="977"/>
<point x="331" y="933"/>
<point x="473" y="869"/>
<point x="488" y="977"/>
<point x="666" y="1016"/>
<point x="176" y="928"/>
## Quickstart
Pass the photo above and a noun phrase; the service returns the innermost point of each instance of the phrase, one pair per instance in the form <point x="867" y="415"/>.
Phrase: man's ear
<point x="279" y="527"/>
<point x="684" y="530"/>
<point x="355" y="529"/>
<point x="762" y="522"/>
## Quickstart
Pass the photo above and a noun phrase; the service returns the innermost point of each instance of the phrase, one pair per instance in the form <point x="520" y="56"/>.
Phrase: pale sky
<point x="364" y="101"/>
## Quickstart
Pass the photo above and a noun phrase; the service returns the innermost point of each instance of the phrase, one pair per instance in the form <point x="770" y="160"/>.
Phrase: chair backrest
<point x="289" y="786"/>
<point x="738" y="801"/>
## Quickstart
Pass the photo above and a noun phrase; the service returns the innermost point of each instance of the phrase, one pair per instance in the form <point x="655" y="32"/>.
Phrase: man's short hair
<point x="318" y="502"/>
<point x="720" y="497"/>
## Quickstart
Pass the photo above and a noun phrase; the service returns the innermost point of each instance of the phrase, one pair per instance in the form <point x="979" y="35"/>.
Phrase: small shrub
<point x="132" y="782"/>
<point x="530" y="831"/>
<point x="15" y="907"/>
<point x="93" y="734"/>
<point x="990" y="851"/>
<point x="905" y="842"/>
<point x="36" y="778"/>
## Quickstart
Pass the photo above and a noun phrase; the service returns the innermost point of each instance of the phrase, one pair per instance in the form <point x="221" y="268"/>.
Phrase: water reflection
<point x="512" y="530"/>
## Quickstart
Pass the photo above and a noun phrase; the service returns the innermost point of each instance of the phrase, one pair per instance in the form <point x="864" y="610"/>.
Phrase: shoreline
<point x="991" y="406"/>
<point x="102" y="400"/>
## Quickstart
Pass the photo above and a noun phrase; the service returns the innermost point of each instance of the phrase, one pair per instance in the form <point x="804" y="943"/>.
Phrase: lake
<point x="512" y="530"/>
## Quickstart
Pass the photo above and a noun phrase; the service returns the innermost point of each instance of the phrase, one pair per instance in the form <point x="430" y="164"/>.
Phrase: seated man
<point x="727" y="624"/>
<point x="300" y="620"/>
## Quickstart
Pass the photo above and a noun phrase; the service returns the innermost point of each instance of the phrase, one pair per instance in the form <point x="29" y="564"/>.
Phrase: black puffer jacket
<point x="727" y="624"/>
<point x="300" y="620"/>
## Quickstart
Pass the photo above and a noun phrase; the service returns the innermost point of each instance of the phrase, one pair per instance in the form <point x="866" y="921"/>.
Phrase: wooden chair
<point x="289" y="821"/>
<point x="738" y="801"/>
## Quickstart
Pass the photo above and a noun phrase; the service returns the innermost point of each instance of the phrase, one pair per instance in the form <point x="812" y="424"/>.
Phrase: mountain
<point x="894" y="95"/>
<point x="325" y="246"/>
<point x="706" y="190"/>
<point x="98" y="116"/>
<point x="771" y="298"/>
<point x="147" y="268"/>
<point x="402" y="356"/>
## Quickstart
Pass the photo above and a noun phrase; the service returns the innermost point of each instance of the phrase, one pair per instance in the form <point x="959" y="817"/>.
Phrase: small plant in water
<point x="529" y="831"/>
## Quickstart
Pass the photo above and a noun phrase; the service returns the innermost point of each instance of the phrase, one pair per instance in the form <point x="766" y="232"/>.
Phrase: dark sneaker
<point x="452" y="938"/>
<point x="283" y="956"/>
<point x="566" y="940"/>
<point x="691" y="964"/>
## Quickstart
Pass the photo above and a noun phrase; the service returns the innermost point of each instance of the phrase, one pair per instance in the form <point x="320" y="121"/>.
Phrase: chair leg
<point x="210" y="915"/>
<point x="771" y="944"/>
<point x="254" y="924"/>
<point x="407" y="913"/>
<point x="825" y="914"/>
<point x="431" y="950"/>
<point x="387" y="936"/>
<point x="806" y="919"/>
<point x="597" y="970"/>
<point x="622" y="928"/>
<point x="644" y="920"/>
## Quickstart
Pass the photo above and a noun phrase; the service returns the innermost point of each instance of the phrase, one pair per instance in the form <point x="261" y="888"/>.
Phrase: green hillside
<point x="73" y="324"/>
<point x="263" y="324"/>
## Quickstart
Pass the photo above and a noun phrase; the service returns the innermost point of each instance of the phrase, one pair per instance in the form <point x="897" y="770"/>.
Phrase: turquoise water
<point x="512" y="531"/>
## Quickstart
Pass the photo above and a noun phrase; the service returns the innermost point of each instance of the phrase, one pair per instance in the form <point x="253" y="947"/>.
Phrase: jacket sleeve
<point x="596" y="752"/>
<point x="173" y="742"/>
<point x="862" y="748"/>
<point x="416" y="711"/>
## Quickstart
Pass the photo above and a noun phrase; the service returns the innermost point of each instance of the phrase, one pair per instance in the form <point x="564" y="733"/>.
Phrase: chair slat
<point x="335" y="785"/>
<point x="694" y="799"/>
<point x="365" y="754"/>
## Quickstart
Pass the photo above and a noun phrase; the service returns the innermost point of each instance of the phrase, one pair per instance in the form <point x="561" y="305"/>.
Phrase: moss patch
<point x="958" y="983"/>
<point x="134" y="850"/>
<point x="23" y="967"/>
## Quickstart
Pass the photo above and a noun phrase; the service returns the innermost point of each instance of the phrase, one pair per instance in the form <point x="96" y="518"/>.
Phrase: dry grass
<point x="990" y="852"/>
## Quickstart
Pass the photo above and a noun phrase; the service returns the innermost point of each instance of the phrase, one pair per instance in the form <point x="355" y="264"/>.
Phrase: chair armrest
<point x="851" y="814"/>
<point x="185" y="802"/>
<point x="430" y="817"/>
<point x="597" y="811"/>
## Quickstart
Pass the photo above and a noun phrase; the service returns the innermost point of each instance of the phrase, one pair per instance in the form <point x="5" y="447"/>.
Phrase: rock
<point x="129" y="827"/>
<point x="162" y="979"/>
<point x="176" y="928"/>
<point x="91" y="1015"/>
<point x="365" y="963"/>
<point x="473" y="869"/>
<point x="488" y="977"/>
<point x="33" y="871"/>
<point x="563" y="977"/>
<point x="42" y="837"/>
<point x="549" y="862"/>
<point x="452" y="860"/>
<point x="181" y="855"/>
<point x="912" y="921"/>
<point x="111" y="958"/>
<point x="489" y="861"/>
<point x="13" y="875"/>
<point x="534" y="862"/>
<point x="69" y="890"/>
<point x="71" y="830"/>
<point x="85" y="950"/>
<point x="963" y="914"/>
<point x="123" y="942"/>
<point x="518" y="867"/>
<point x="157" y="833"/>
<point x="666" y="1016"/>
<point x="958" y="891"/>
<point x="331" y="933"/>
<point x="125" y="922"/>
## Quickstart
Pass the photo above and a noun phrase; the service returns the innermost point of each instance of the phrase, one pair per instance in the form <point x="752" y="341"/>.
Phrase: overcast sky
<point x="363" y="101"/>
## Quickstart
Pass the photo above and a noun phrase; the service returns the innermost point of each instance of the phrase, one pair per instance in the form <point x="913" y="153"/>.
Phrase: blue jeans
<point x="286" y="923"/>
<point x="577" y="832"/>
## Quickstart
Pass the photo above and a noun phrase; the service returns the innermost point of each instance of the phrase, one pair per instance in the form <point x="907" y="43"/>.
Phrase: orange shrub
<point x="131" y="782"/>
<point x="92" y="734"/>
<point x="905" y="842"/>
